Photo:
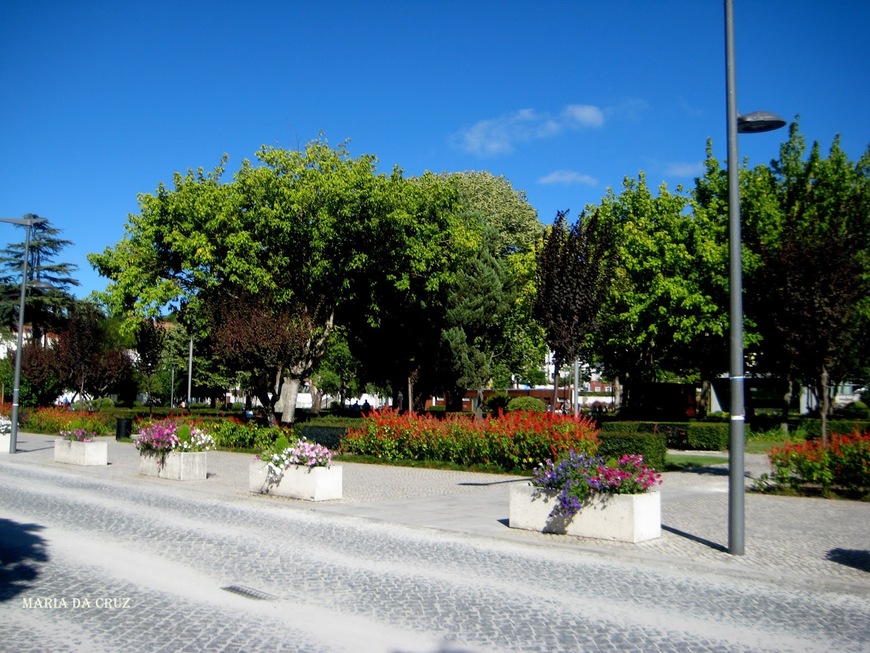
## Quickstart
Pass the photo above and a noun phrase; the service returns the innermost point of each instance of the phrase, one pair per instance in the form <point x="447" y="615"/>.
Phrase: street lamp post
<point x="759" y="121"/>
<point x="28" y="223"/>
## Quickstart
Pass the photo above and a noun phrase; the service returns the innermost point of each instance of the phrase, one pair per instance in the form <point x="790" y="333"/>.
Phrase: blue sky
<point x="100" y="101"/>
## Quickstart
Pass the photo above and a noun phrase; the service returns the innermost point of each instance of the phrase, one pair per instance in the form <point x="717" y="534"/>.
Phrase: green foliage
<point x="530" y="404"/>
<point x="813" y="427"/>
<point x="856" y="410"/>
<point x="328" y="436"/>
<point x="54" y="419"/>
<point x="844" y="464"/>
<point x="497" y="402"/>
<point x="231" y="433"/>
<point x="708" y="437"/>
<point x="574" y="272"/>
<point x="652" y="446"/>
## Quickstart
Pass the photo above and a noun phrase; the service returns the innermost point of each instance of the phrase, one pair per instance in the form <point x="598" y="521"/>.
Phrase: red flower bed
<point x="516" y="441"/>
<point x="843" y="464"/>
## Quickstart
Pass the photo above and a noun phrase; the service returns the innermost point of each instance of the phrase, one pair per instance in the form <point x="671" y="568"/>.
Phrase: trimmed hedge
<point x="839" y="426"/>
<point x="708" y="436"/>
<point x="329" y="436"/>
<point x="652" y="446"/>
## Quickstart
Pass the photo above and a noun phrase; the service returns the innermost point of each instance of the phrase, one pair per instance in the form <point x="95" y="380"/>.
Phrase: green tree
<point x="811" y="292"/>
<point x="298" y="228"/>
<point x="150" y="340"/>
<point x="479" y="302"/>
<point x="47" y="307"/>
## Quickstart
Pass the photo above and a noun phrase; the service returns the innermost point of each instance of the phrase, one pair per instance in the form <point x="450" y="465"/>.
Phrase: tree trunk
<point x="826" y="403"/>
<point x="289" y="393"/>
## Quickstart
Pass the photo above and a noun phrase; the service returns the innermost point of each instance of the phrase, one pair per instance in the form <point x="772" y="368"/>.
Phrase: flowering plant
<point x="5" y="424"/>
<point x="78" y="435"/>
<point x="282" y="455"/>
<point x="159" y="438"/>
<point x="579" y="477"/>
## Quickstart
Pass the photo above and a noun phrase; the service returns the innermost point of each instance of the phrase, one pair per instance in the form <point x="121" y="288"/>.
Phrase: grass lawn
<point x="680" y="461"/>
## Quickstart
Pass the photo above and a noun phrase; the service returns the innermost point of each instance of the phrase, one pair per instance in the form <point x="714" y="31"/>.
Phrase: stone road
<point x="410" y="561"/>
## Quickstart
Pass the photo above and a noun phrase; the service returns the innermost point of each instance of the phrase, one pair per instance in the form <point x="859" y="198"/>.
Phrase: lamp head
<point x="758" y="121"/>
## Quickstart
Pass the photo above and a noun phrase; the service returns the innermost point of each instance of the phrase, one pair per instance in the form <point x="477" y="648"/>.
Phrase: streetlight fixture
<point x="28" y="223"/>
<point x="755" y="122"/>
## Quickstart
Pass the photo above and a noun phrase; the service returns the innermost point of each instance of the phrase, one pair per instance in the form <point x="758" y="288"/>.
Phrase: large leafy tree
<point x="298" y="228"/>
<point x="46" y="307"/>
<point x="811" y="292"/>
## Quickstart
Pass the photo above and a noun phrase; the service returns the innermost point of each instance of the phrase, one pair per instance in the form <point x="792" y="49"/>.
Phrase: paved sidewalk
<point x="787" y="538"/>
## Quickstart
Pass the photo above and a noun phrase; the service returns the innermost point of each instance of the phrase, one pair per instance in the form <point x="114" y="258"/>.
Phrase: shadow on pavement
<point x="695" y="538"/>
<point x="21" y="552"/>
<point x="851" y="558"/>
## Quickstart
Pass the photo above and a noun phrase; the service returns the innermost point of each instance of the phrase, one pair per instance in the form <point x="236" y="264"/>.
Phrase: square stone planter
<point x="298" y="482"/>
<point x="178" y="465"/>
<point x="620" y="517"/>
<point x="5" y="439"/>
<point x="81" y="453"/>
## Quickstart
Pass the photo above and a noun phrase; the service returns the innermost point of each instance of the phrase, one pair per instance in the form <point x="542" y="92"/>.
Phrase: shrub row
<point x="652" y="446"/>
<point x="843" y="464"/>
<point x="514" y="442"/>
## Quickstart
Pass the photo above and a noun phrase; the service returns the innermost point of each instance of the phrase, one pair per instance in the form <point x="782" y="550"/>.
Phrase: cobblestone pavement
<point x="410" y="561"/>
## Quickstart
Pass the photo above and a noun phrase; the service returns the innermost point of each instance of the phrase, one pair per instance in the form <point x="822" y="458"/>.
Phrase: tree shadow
<point x="694" y="538"/>
<point x="21" y="553"/>
<point x="857" y="558"/>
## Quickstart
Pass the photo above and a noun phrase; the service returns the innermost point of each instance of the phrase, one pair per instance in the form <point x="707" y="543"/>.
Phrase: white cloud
<point x="678" y="169"/>
<point x="567" y="178"/>
<point x="499" y="135"/>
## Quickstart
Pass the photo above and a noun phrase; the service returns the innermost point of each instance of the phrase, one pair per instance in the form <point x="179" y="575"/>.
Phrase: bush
<point x="855" y="410"/>
<point x="515" y="441"/>
<point x="814" y="427"/>
<point x="56" y="419"/>
<point x="232" y="433"/>
<point x="843" y="464"/>
<point x="708" y="437"/>
<point x="498" y="402"/>
<point x="652" y="446"/>
<point x="530" y="404"/>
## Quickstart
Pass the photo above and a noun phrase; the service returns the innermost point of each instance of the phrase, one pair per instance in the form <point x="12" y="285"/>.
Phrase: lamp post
<point x="759" y="121"/>
<point x="28" y="223"/>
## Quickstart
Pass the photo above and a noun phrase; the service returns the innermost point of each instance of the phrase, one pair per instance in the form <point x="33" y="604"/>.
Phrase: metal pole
<point x="16" y="383"/>
<point x="189" y="371"/>
<point x="736" y="481"/>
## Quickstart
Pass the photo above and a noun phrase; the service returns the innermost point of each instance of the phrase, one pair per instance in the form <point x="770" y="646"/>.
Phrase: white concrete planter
<point x="177" y="465"/>
<point x="81" y="453"/>
<point x="621" y="517"/>
<point x="5" y="439"/>
<point x="298" y="482"/>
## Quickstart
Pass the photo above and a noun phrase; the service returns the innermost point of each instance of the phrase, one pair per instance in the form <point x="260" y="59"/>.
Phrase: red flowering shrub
<point x="517" y="440"/>
<point x="54" y="419"/>
<point x="843" y="464"/>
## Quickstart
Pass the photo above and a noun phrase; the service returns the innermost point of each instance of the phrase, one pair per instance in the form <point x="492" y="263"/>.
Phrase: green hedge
<point x="708" y="436"/>
<point x="839" y="426"/>
<point x="652" y="446"/>
<point x="329" y="436"/>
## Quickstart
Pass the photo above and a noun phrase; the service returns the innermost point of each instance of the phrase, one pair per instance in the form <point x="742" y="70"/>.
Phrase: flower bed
<point x="515" y="441"/>
<point x="844" y="464"/>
